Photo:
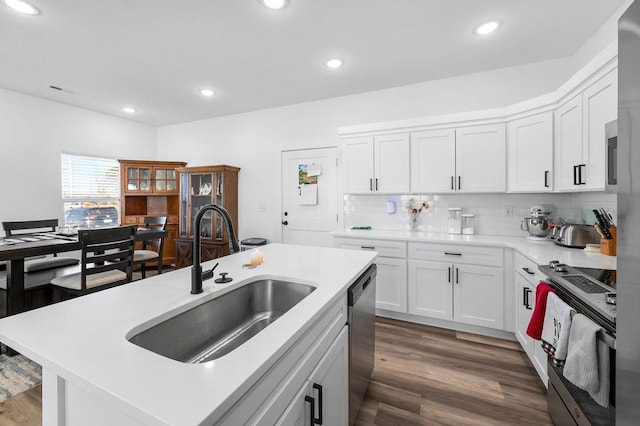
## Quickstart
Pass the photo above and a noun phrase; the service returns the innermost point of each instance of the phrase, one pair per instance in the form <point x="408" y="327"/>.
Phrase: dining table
<point x="15" y="249"/>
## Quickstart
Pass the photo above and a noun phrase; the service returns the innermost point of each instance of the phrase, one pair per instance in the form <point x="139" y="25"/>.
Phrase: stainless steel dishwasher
<point x="362" y="323"/>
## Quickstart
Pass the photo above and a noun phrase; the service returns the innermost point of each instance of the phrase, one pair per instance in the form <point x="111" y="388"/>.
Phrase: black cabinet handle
<point x="318" y="420"/>
<point x="370" y="184"/>
<point x="311" y="401"/>
<point x="457" y="277"/>
<point x="528" y="271"/>
<point x="580" y="168"/>
<point x="376" y="184"/>
<point x="526" y="293"/>
<point x="452" y="188"/>
<point x="546" y="178"/>
<point x="368" y="247"/>
<point x="449" y="253"/>
<point x="449" y="279"/>
<point x="575" y="175"/>
<point x="458" y="182"/>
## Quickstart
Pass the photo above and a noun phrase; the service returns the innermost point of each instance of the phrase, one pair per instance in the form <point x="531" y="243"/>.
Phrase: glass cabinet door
<point x="165" y="180"/>
<point x="139" y="179"/>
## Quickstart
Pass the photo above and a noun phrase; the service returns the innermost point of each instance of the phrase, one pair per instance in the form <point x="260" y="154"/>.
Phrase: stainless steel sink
<point x="220" y="325"/>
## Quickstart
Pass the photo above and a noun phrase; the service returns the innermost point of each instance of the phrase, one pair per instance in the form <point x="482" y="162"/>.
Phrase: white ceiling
<point x="156" y="54"/>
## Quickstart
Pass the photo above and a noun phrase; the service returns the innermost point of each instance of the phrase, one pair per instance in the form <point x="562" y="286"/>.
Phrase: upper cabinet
<point x="150" y="177"/>
<point x="530" y="153"/>
<point x="466" y="159"/>
<point x="580" y="138"/>
<point x="376" y="164"/>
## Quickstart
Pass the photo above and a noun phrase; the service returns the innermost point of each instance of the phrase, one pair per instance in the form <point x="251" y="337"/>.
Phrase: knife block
<point x="608" y="247"/>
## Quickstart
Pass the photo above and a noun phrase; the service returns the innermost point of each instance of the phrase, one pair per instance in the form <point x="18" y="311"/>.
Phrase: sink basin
<point x="218" y="326"/>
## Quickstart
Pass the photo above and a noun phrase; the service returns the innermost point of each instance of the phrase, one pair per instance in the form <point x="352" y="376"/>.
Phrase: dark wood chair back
<point x="29" y="226"/>
<point x="106" y="249"/>
<point x="155" y="222"/>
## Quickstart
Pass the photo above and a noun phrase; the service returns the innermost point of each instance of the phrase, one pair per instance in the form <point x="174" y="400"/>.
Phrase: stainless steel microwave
<point x="611" y="156"/>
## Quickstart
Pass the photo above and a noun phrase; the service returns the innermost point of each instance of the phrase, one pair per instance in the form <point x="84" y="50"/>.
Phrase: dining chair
<point x="16" y="229"/>
<point x="151" y="250"/>
<point x="106" y="260"/>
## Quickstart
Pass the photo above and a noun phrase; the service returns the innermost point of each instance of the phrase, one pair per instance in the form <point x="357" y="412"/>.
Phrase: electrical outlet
<point x="507" y="212"/>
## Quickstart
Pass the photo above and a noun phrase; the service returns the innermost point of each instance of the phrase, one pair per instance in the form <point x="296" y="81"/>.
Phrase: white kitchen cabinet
<point x="466" y="159"/>
<point x="579" y="135"/>
<point x="527" y="277"/>
<point x="391" y="280"/>
<point x="530" y="153"/>
<point x="433" y="161"/>
<point x="376" y="164"/>
<point x="450" y="286"/>
<point x="326" y="390"/>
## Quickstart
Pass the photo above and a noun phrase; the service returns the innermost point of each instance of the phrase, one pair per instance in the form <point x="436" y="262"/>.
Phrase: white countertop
<point x="83" y="340"/>
<point x="541" y="252"/>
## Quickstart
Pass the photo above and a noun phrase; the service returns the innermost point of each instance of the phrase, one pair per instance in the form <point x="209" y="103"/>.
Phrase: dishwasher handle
<point x="358" y="288"/>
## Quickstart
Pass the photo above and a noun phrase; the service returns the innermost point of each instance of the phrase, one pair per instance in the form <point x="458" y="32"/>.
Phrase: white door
<point x="568" y="144"/>
<point x="433" y="161"/>
<point x="391" y="155"/>
<point x="309" y="211"/>
<point x="481" y="158"/>
<point x="530" y="153"/>
<point x="429" y="286"/>
<point x="478" y="295"/>
<point x="391" y="284"/>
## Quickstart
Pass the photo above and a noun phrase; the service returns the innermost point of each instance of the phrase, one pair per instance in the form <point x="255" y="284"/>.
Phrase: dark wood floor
<point x="423" y="376"/>
<point x="430" y="376"/>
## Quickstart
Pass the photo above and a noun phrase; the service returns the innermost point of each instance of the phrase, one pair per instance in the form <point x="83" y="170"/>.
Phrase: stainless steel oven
<point x="611" y="156"/>
<point x="590" y="292"/>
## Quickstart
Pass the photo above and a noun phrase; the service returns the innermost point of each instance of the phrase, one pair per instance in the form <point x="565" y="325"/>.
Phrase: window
<point x="90" y="191"/>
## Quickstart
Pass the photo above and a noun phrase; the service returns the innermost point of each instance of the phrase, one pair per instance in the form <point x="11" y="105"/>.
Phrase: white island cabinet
<point x="93" y="375"/>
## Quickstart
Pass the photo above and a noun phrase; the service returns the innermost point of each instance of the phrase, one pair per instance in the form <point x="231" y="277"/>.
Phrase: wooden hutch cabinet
<point x="152" y="188"/>
<point x="200" y="186"/>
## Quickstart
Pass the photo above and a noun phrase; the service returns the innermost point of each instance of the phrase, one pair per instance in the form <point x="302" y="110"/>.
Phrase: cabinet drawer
<point x="528" y="269"/>
<point x="130" y="220"/>
<point x="383" y="247"/>
<point x="478" y="255"/>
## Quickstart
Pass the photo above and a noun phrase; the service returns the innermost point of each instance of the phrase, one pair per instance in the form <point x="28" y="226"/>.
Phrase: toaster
<point x="576" y="236"/>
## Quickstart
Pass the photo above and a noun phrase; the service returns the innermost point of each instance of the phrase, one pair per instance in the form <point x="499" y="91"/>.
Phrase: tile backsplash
<point x="490" y="210"/>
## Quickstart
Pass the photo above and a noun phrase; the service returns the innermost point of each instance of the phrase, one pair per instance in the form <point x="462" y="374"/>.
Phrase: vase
<point x="414" y="221"/>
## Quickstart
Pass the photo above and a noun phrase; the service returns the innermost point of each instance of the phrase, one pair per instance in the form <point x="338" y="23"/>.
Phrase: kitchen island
<point x="92" y="372"/>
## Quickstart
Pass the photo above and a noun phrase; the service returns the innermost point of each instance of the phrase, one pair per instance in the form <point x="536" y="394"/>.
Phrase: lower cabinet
<point x="208" y="250"/>
<point x="468" y="294"/>
<point x="391" y="281"/>
<point x="457" y="283"/>
<point x="527" y="278"/>
<point x="324" y="397"/>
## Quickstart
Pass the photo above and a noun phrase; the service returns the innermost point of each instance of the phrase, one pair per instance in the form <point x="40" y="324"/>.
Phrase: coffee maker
<point x="538" y="224"/>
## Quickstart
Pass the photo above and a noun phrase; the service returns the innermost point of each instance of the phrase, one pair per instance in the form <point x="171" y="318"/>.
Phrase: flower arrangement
<point x="414" y="209"/>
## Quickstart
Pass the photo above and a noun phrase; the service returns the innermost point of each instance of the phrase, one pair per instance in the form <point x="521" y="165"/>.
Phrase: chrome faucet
<point x="197" y="276"/>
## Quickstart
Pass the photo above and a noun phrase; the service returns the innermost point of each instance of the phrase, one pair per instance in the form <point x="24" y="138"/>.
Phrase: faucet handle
<point x="223" y="278"/>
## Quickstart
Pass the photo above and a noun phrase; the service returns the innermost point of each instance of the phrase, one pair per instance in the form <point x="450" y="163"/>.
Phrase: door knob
<point x="285" y="223"/>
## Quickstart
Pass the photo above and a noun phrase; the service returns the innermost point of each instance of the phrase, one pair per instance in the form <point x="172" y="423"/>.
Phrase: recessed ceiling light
<point x="21" y="6"/>
<point x="207" y="92"/>
<point x="487" y="27"/>
<point x="334" y="63"/>
<point x="129" y="110"/>
<point x="275" y="4"/>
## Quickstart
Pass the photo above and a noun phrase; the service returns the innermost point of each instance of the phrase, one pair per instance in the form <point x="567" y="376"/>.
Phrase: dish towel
<point x="581" y="367"/>
<point x="534" y="329"/>
<point x="555" y="329"/>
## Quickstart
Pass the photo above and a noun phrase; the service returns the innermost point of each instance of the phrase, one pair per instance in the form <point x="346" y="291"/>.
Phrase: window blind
<point x="90" y="179"/>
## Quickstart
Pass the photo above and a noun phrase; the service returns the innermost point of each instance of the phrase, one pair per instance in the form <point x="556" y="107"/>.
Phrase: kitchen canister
<point x="454" y="221"/>
<point x="468" y="224"/>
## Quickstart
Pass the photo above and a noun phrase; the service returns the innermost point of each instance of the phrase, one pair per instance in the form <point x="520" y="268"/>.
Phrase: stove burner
<point x="584" y="284"/>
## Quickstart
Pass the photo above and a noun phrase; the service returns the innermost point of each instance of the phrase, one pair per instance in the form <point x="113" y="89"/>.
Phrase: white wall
<point x="253" y="141"/>
<point x="33" y="134"/>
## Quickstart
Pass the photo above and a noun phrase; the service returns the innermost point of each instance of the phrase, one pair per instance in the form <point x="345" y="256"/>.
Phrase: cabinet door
<point x="329" y="383"/>
<point x="165" y="180"/>
<point x="568" y="144"/>
<point x="481" y="159"/>
<point x="391" y="155"/>
<point x="299" y="410"/>
<point x="525" y="299"/>
<point x="600" y="106"/>
<point x="138" y="179"/>
<point x="429" y="285"/>
<point x="357" y="165"/>
<point x="478" y="295"/>
<point x="433" y="161"/>
<point x="530" y="153"/>
<point x="391" y="284"/>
